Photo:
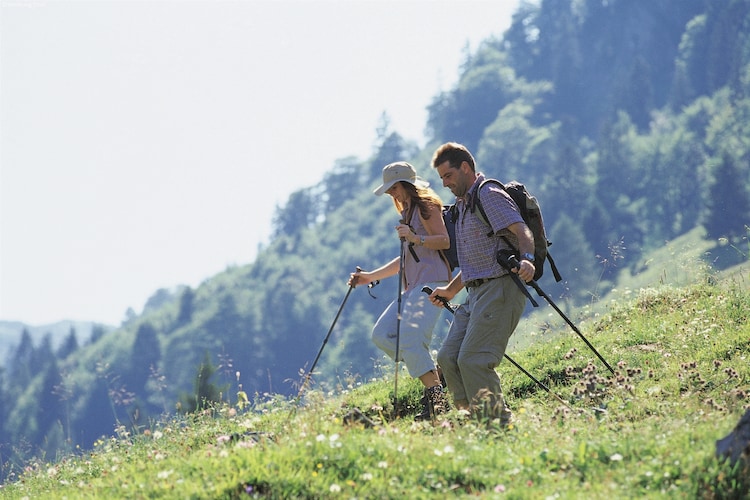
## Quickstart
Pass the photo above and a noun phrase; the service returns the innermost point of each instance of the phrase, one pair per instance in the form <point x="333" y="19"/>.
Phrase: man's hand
<point x="441" y="292"/>
<point x="525" y="271"/>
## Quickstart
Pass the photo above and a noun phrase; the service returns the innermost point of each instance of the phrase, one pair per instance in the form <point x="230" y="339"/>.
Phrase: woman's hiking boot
<point x="435" y="403"/>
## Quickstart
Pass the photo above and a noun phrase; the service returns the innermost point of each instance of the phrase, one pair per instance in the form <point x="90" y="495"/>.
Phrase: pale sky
<point x="145" y="145"/>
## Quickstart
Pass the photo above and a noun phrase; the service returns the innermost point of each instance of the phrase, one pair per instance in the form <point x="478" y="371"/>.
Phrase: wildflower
<point x="242" y="400"/>
<point x="157" y="434"/>
<point x="367" y="476"/>
<point x="382" y="465"/>
<point x="165" y="474"/>
<point x="320" y="438"/>
<point x="616" y="457"/>
<point x="500" y="488"/>
<point x="335" y="488"/>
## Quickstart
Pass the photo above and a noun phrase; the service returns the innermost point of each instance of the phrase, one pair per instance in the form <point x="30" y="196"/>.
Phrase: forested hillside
<point x="628" y="119"/>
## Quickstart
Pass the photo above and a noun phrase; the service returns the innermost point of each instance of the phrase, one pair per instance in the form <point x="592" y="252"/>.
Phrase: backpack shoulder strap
<point x="552" y="265"/>
<point x="477" y="203"/>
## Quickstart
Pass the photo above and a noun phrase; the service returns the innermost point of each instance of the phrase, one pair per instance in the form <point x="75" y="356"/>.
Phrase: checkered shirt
<point x="476" y="251"/>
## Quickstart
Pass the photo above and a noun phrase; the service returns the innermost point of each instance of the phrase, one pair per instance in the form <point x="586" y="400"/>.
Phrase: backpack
<point x="449" y="218"/>
<point x="530" y="212"/>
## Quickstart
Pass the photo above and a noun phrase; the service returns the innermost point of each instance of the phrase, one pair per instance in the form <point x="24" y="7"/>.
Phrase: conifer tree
<point x="728" y="202"/>
<point x="69" y="345"/>
<point x="145" y="355"/>
<point x="205" y="392"/>
<point x="187" y="305"/>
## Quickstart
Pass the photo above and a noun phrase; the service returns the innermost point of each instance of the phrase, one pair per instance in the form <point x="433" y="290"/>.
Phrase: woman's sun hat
<point x="399" y="171"/>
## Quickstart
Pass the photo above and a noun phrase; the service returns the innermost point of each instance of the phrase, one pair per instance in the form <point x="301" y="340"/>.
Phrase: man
<point x="483" y="324"/>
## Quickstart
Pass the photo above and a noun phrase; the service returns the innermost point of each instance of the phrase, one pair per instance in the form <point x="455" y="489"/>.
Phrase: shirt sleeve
<point x="502" y="212"/>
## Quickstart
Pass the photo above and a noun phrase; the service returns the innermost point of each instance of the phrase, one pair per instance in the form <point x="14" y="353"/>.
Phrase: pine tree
<point x="69" y="345"/>
<point x="145" y="355"/>
<point x="20" y="364"/>
<point x="205" y="392"/>
<point x="187" y="306"/>
<point x="727" y="213"/>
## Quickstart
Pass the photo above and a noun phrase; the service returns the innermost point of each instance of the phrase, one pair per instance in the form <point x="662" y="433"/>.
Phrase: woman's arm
<point x="437" y="234"/>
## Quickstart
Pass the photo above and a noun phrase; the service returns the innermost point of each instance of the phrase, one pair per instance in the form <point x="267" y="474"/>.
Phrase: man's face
<point x="458" y="180"/>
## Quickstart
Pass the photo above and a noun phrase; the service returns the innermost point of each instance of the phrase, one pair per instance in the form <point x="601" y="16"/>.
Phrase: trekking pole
<point x="398" y="325"/>
<point x="325" y="341"/>
<point x="449" y="307"/>
<point x="511" y="262"/>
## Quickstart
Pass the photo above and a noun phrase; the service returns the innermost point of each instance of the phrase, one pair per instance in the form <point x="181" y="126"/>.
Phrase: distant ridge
<point x="10" y="333"/>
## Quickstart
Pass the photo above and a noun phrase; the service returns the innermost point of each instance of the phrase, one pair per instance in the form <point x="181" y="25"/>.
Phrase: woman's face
<point x="398" y="193"/>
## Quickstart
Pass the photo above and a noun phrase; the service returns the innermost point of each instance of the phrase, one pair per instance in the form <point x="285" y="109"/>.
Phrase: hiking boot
<point x="435" y="403"/>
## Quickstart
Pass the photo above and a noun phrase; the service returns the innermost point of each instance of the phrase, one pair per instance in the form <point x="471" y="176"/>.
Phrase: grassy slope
<point x="681" y="355"/>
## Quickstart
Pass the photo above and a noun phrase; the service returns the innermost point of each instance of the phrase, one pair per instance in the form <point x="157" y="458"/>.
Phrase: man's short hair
<point x="454" y="153"/>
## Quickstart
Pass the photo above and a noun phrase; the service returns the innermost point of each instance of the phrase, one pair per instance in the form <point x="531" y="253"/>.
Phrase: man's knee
<point x="473" y="361"/>
<point x="445" y="360"/>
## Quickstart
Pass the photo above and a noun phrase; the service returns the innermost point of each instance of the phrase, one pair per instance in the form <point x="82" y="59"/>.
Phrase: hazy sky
<point x="145" y="144"/>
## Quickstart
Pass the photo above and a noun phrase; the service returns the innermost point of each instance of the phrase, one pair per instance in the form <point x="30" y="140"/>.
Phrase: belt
<point x="480" y="281"/>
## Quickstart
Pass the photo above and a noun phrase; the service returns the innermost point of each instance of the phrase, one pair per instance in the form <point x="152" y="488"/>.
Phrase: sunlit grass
<point x="649" y="430"/>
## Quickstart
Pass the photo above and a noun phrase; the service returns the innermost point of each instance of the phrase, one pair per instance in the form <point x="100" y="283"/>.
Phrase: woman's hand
<point x="360" y="278"/>
<point x="405" y="233"/>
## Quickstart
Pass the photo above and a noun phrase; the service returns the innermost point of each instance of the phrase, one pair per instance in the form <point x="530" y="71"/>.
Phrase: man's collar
<point x="469" y="196"/>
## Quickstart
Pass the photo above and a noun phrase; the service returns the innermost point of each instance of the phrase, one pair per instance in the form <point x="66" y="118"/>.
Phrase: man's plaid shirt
<point x="476" y="251"/>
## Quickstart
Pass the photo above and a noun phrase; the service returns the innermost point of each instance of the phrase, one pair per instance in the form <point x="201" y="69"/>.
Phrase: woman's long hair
<point x="424" y="198"/>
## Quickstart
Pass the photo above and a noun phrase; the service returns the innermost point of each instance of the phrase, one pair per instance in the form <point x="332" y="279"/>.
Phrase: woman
<point x="423" y="234"/>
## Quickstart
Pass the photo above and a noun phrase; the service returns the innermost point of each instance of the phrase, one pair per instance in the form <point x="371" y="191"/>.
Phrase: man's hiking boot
<point x="435" y="403"/>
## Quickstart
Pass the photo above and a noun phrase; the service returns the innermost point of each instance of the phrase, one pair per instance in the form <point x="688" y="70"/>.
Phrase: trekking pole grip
<point x="446" y="304"/>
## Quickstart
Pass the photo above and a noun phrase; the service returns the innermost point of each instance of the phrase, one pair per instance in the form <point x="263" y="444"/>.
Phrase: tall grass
<point x="648" y="431"/>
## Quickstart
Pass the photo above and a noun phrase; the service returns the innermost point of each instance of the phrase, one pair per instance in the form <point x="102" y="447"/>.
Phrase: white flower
<point x="165" y="474"/>
<point x="616" y="457"/>
<point x="335" y="488"/>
